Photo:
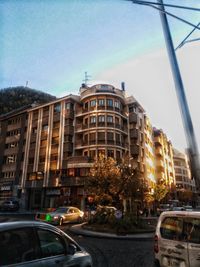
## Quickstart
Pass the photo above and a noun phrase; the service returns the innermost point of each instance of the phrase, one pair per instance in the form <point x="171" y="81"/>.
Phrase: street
<point x="107" y="252"/>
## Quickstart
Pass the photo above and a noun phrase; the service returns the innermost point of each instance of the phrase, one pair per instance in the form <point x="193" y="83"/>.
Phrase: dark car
<point x="34" y="244"/>
<point x="10" y="205"/>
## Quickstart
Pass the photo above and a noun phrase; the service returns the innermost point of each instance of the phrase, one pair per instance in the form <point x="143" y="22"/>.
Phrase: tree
<point x="111" y="182"/>
<point x="102" y="179"/>
<point x="159" y="193"/>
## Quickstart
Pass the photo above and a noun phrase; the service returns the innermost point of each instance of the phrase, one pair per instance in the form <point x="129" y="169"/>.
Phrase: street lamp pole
<point x="187" y="121"/>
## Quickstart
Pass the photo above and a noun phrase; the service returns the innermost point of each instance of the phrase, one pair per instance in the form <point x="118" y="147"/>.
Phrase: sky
<point x="51" y="44"/>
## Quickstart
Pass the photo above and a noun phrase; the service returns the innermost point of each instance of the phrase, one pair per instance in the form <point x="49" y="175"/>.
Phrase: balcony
<point x="134" y="133"/>
<point x="157" y="141"/>
<point x="133" y="117"/>
<point x="135" y="150"/>
<point x="158" y="151"/>
<point x="69" y="114"/>
<point x="69" y="130"/>
<point x="68" y="147"/>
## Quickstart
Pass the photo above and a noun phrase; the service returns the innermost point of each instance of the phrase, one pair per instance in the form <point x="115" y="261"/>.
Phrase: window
<point x="117" y="137"/>
<point x="101" y="102"/>
<point x="12" y="145"/>
<point x="93" y="103"/>
<point x="71" y="172"/>
<point x="11" y="159"/>
<point x="101" y="136"/>
<point x="101" y="152"/>
<point x="191" y="230"/>
<point x="55" y="140"/>
<point x="86" y="106"/>
<point x="45" y="127"/>
<point x="57" y="107"/>
<point x="43" y="143"/>
<point x="117" y="120"/>
<point x="92" y="153"/>
<point x="110" y="119"/>
<point x="92" y="136"/>
<point x="93" y="119"/>
<point x="51" y="244"/>
<point x="56" y="124"/>
<point x="84" y="171"/>
<point x="34" y="130"/>
<point x="172" y="228"/>
<point x="69" y="106"/>
<point x="117" y="104"/>
<point x="109" y="102"/>
<point x="110" y="136"/>
<point x="17" y="246"/>
<point x="111" y="153"/>
<point x="101" y="118"/>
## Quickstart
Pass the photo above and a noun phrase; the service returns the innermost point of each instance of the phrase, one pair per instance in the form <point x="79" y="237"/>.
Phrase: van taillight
<point x="156" y="249"/>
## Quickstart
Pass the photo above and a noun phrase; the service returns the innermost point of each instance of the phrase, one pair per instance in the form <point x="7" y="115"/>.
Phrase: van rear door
<point x="172" y="246"/>
<point x="194" y="241"/>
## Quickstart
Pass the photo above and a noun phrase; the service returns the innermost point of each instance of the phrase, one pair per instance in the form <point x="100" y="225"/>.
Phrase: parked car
<point x="178" y="208"/>
<point x="61" y="215"/>
<point x="177" y="239"/>
<point x="10" y="205"/>
<point x="188" y="208"/>
<point x="34" y="244"/>
<point x="163" y="207"/>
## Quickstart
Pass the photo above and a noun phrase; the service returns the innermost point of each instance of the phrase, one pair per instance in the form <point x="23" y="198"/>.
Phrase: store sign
<point x="53" y="192"/>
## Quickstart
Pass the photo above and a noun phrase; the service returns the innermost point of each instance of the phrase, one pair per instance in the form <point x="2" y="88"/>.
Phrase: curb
<point x="78" y="230"/>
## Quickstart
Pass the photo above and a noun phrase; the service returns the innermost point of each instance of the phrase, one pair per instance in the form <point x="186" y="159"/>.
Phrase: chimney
<point x="123" y="86"/>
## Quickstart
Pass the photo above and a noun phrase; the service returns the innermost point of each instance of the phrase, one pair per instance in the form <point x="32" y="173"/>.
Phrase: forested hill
<point x="15" y="97"/>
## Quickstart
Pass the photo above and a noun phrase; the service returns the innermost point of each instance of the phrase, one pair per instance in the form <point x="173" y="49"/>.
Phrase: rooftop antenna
<point x="26" y="83"/>
<point x="86" y="78"/>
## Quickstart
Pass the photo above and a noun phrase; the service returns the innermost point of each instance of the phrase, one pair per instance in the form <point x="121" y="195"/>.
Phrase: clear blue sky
<point x="51" y="43"/>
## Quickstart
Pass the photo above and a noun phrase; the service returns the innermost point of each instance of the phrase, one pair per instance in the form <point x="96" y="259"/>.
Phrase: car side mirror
<point x="72" y="249"/>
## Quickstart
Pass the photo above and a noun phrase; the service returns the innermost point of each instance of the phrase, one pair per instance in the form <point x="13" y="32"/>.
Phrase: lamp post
<point x="187" y="121"/>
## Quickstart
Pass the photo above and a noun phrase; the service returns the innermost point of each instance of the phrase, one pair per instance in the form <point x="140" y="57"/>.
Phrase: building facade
<point x="164" y="158"/>
<point x="46" y="151"/>
<point x="182" y="172"/>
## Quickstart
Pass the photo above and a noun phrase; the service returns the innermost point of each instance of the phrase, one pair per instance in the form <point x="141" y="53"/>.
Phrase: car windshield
<point x="61" y="210"/>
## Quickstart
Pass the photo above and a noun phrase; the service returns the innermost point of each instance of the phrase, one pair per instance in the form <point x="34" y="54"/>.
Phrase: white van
<point x="177" y="239"/>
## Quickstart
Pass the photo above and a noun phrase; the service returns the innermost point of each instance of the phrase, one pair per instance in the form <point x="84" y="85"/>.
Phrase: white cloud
<point x="149" y="79"/>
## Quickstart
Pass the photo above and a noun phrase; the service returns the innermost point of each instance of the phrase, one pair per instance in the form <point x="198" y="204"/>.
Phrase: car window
<point x="191" y="230"/>
<point x="51" y="244"/>
<point x="17" y="246"/>
<point x="62" y="210"/>
<point x="172" y="228"/>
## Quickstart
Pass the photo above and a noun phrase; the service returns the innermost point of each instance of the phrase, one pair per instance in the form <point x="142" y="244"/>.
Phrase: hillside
<point x="15" y="97"/>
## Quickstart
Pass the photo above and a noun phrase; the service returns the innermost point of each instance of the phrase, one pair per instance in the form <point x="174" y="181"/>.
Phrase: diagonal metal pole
<point x="187" y="121"/>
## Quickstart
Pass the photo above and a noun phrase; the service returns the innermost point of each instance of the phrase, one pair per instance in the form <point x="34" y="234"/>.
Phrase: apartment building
<point x="13" y="126"/>
<point x="150" y="168"/>
<point x="182" y="172"/>
<point x="164" y="158"/>
<point x="46" y="151"/>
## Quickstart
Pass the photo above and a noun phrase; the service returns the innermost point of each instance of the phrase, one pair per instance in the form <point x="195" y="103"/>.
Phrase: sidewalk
<point x="78" y="230"/>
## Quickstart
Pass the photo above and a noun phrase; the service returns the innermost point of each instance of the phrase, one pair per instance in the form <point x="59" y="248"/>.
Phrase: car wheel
<point x="80" y="220"/>
<point x="61" y="221"/>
